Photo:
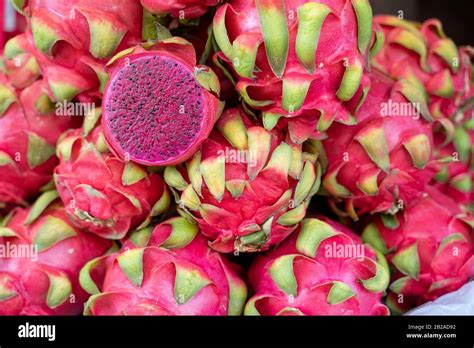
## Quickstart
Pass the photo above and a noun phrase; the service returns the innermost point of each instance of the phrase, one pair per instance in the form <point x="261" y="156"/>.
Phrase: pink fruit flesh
<point x="154" y="110"/>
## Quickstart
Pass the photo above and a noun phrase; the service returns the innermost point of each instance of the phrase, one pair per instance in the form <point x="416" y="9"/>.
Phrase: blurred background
<point x="456" y="16"/>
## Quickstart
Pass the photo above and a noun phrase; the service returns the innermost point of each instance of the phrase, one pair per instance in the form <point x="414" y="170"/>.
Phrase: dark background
<point x="456" y="15"/>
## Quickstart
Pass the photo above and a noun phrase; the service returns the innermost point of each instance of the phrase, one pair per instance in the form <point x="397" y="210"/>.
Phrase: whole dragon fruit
<point x="386" y="159"/>
<point x="169" y="270"/>
<point x="288" y="62"/>
<point x="29" y="129"/>
<point x="41" y="259"/>
<point x="322" y="269"/>
<point x="101" y="193"/>
<point x="430" y="247"/>
<point x="74" y="39"/>
<point x="181" y="9"/>
<point x="247" y="188"/>
<point x="425" y="56"/>
<point x="159" y="105"/>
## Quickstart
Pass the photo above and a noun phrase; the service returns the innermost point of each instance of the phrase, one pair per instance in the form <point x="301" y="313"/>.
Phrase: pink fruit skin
<point x="18" y="181"/>
<point x="94" y="189"/>
<point x="182" y="9"/>
<point x="88" y="33"/>
<point x="443" y="266"/>
<point x="20" y="64"/>
<point x="322" y="68"/>
<point x="27" y="281"/>
<point x="457" y="171"/>
<point x="21" y="180"/>
<point x="456" y="177"/>
<point x="401" y="63"/>
<point x="313" y="276"/>
<point x="265" y="190"/>
<point x="423" y="53"/>
<point x="156" y="294"/>
<point x="122" y="13"/>
<point x="350" y="164"/>
<point x="266" y="195"/>
<point x="181" y="53"/>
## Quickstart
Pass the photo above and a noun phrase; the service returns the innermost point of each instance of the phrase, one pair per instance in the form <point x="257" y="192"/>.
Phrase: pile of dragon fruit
<point x="241" y="157"/>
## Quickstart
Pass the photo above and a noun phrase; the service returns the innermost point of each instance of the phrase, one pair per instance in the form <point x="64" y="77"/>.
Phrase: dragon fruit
<point x="425" y="56"/>
<point x="247" y="188"/>
<point x="29" y="129"/>
<point x="455" y="148"/>
<point x="289" y="64"/>
<point x="387" y="158"/>
<point x="181" y="9"/>
<point x="158" y="105"/>
<point x="168" y="270"/>
<point x="19" y="64"/>
<point x="101" y="193"/>
<point x="430" y="247"/>
<point x="75" y="38"/>
<point x="322" y="269"/>
<point x="42" y="254"/>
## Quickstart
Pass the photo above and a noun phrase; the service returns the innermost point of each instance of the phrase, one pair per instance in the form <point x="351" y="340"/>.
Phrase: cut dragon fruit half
<point x="157" y="110"/>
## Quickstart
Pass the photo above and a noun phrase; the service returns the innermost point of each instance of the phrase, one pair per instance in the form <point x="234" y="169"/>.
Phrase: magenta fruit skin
<point x="168" y="127"/>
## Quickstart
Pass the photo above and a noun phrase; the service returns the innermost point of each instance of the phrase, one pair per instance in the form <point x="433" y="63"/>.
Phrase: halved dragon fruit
<point x="159" y="106"/>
